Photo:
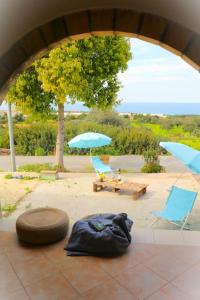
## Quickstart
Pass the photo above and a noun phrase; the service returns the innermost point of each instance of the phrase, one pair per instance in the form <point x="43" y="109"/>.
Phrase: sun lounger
<point x="178" y="207"/>
<point x="99" y="166"/>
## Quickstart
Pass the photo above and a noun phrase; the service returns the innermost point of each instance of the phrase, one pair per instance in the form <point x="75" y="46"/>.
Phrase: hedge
<point x="33" y="139"/>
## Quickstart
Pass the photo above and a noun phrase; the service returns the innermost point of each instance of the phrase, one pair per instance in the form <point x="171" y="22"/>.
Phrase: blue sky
<point x="157" y="75"/>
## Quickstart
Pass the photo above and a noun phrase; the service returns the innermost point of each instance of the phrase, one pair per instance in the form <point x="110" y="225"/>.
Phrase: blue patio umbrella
<point x="187" y="155"/>
<point x="90" y="140"/>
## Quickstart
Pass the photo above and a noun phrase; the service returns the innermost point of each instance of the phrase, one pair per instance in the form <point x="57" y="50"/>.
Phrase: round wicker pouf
<point x="42" y="226"/>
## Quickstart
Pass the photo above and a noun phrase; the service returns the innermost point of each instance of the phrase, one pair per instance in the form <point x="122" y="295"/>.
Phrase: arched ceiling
<point x="29" y="27"/>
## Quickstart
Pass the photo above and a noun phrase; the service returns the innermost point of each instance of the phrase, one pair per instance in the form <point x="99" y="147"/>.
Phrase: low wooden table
<point x="138" y="189"/>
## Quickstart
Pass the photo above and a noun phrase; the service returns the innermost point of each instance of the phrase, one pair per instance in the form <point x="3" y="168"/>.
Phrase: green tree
<point x="84" y="70"/>
<point x="28" y="95"/>
<point x="108" y="117"/>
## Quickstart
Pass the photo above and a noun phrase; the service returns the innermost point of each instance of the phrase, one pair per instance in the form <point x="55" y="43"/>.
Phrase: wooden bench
<point x="49" y="175"/>
<point x="138" y="189"/>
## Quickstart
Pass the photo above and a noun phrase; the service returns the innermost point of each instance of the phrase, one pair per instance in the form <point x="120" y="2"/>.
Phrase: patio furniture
<point x="99" y="166"/>
<point x="178" y="207"/>
<point x="187" y="155"/>
<point x="42" y="226"/>
<point x="89" y="140"/>
<point x="137" y="189"/>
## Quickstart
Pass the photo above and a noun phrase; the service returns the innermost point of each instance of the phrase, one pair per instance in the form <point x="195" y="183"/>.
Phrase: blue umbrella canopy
<point x="187" y="155"/>
<point x="89" y="140"/>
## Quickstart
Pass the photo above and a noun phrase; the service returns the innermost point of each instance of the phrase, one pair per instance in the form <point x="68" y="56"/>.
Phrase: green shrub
<point x="152" y="167"/>
<point x="108" y="117"/>
<point x="151" y="156"/>
<point x="35" y="167"/>
<point x="4" y="138"/>
<point x="152" y="164"/>
<point x="40" y="138"/>
<point x="9" y="208"/>
<point x="32" y="137"/>
<point x="39" y="151"/>
<point x="8" y="176"/>
<point x="124" y="140"/>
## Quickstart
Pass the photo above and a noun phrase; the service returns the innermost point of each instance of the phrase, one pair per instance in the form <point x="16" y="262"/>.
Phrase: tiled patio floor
<point x="148" y="271"/>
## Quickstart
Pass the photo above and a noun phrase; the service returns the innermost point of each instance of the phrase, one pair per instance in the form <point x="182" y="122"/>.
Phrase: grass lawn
<point x="176" y="134"/>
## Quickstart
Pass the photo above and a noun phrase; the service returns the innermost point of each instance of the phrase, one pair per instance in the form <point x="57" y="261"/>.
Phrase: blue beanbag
<point x="102" y="234"/>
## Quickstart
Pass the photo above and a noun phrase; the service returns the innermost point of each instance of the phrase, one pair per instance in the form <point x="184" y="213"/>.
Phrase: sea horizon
<point x="167" y="108"/>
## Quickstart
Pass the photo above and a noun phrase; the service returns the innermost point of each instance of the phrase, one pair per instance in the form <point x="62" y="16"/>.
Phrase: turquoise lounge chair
<point x="178" y="207"/>
<point x="99" y="166"/>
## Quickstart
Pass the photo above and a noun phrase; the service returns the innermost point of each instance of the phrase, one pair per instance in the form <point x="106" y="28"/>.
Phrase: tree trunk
<point x="60" y="138"/>
<point x="11" y="137"/>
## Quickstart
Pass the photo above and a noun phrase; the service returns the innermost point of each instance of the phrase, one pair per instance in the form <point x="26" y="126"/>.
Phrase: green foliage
<point x="21" y="177"/>
<point x="83" y="70"/>
<point x="35" y="167"/>
<point x="8" y="176"/>
<point x="9" y="208"/>
<point x="152" y="164"/>
<point x="102" y="59"/>
<point x="151" y="156"/>
<point x="187" y="122"/>
<point x="28" y="96"/>
<point x="152" y="167"/>
<point x="18" y="118"/>
<point x="108" y="117"/>
<point x="36" y="139"/>
<point x="60" y="73"/>
<point x="134" y="139"/>
<point x="39" y="151"/>
<point x="181" y="129"/>
<point x="4" y="138"/>
<point x="30" y="138"/>
<point x="3" y="119"/>
<point x="28" y="190"/>
<point x="124" y="140"/>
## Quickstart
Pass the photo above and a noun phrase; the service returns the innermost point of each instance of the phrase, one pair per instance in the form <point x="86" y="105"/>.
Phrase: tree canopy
<point x="28" y="95"/>
<point x="84" y="70"/>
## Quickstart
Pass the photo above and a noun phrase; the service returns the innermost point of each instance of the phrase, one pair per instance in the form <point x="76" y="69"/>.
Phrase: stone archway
<point x="173" y="36"/>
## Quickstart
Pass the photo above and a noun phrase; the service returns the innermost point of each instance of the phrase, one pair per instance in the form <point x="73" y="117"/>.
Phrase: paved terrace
<point x="158" y="265"/>
<point x="73" y="193"/>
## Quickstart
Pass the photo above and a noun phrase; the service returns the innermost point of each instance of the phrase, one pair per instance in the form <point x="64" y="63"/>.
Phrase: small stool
<point x="42" y="226"/>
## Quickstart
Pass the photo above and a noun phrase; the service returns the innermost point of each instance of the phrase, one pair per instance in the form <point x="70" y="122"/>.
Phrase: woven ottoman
<point x="42" y="226"/>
